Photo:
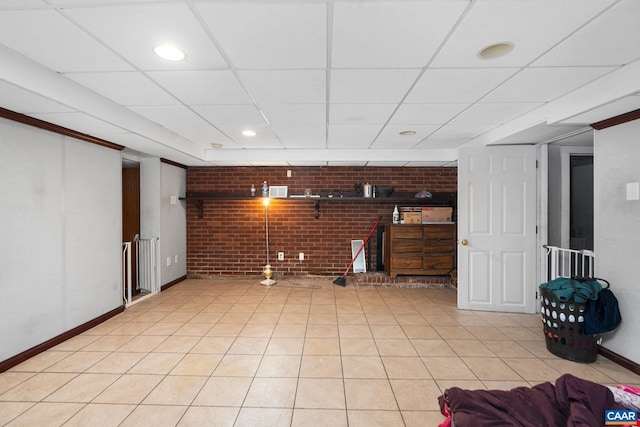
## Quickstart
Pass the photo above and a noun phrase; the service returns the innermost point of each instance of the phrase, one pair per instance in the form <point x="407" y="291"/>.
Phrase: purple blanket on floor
<point x="572" y="402"/>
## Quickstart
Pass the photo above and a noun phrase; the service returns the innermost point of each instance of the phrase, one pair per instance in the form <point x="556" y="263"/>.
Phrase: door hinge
<point x="536" y="229"/>
<point x="536" y="164"/>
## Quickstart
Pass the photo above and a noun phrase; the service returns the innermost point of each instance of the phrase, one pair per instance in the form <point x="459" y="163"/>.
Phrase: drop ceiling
<point x="321" y="82"/>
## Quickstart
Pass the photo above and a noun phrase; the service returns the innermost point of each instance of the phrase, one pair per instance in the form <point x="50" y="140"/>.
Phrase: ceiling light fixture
<point x="216" y="145"/>
<point x="249" y="132"/>
<point x="496" y="50"/>
<point x="408" y="132"/>
<point x="169" y="52"/>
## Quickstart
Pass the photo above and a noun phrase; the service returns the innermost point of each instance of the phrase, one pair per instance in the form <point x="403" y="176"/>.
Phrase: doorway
<point x="131" y="215"/>
<point x="581" y="202"/>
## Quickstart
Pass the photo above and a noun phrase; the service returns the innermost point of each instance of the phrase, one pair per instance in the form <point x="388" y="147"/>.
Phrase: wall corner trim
<point x="41" y="124"/>
<point x="172" y="163"/>
<point x="620" y="360"/>
<point x="33" y="351"/>
<point x="617" y="120"/>
<point x="173" y="282"/>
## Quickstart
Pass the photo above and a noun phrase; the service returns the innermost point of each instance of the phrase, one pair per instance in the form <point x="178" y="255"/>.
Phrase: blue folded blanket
<point x="580" y="290"/>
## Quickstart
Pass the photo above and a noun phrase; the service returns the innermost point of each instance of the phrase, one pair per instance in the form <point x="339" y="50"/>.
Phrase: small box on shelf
<point x="436" y="214"/>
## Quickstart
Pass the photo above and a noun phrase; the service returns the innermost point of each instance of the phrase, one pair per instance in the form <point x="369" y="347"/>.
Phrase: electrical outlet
<point x="301" y="256"/>
<point x="175" y="259"/>
<point x="280" y="256"/>
<point x="168" y="261"/>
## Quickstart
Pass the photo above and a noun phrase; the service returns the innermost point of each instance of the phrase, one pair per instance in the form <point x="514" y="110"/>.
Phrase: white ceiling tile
<point x="286" y="86"/>
<point x="295" y="114"/>
<point x="457" y="85"/>
<point x="370" y="86"/>
<point x="455" y="132"/>
<point x="490" y="113"/>
<point x="237" y="115"/>
<point x="442" y="143"/>
<point x="430" y="114"/>
<point x="202" y="87"/>
<point x="352" y="136"/>
<point x="533" y="26"/>
<point x="273" y="35"/>
<point x="49" y="38"/>
<point x="302" y="136"/>
<point x="22" y="4"/>
<point x="400" y="34"/>
<point x="80" y="122"/>
<point x="394" y="144"/>
<point x="126" y="88"/>
<point x="363" y="114"/>
<point x="175" y="115"/>
<point x="133" y="30"/>
<point x="25" y="102"/>
<point x="544" y="84"/>
<point x="264" y="138"/>
<point x="392" y="133"/>
<point x="611" y="39"/>
<point x="202" y="135"/>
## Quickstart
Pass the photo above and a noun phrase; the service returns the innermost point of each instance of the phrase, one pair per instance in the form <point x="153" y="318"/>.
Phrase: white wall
<point x="617" y="228"/>
<point x="60" y="234"/>
<point x="159" y="218"/>
<point x="174" y="222"/>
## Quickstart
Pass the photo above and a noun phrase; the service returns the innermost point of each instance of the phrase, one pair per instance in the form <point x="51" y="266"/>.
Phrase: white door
<point x="497" y="229"/>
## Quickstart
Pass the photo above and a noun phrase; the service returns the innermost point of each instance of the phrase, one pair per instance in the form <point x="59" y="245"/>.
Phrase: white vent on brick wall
<point x="278" y="191"/>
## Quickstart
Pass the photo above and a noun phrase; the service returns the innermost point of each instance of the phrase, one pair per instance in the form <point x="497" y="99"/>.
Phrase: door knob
<point x="464" y="242"/>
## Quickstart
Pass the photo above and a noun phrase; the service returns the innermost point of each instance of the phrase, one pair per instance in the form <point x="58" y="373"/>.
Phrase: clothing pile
<point x="571" y="402"/>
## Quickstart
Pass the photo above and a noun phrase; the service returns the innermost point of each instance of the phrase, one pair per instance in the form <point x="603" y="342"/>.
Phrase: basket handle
<point x="585" y="279"/>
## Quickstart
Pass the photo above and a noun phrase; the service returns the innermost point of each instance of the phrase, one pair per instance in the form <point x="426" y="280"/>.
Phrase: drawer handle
<point x="407" y="263"/>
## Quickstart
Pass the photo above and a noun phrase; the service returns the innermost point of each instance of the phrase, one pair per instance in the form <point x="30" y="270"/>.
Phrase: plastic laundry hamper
<point x="563" y="324"/>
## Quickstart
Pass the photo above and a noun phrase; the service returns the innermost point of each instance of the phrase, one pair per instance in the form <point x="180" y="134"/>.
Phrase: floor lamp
<point x="268" y="273"/>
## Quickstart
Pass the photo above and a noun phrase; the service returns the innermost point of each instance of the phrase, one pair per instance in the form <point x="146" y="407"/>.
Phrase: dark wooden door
<point x="131" y="214"/>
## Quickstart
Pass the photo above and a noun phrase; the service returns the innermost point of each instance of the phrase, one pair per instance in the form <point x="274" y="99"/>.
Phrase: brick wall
<point x="230" y="238"/>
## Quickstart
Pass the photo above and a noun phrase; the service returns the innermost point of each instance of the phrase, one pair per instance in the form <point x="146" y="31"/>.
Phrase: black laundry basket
<point x="563" y="324"/>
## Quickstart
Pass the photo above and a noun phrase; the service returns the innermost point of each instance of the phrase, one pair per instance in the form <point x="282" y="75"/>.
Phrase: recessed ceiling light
<point x="496" y="50"/>
<point x="216" y="145"/>
<point x="249" y="133"/>
<point x="408" y="132"/>
<point x="169" y="52"/>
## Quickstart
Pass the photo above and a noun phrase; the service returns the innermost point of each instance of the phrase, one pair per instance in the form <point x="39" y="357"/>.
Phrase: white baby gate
<point x="147" y="256"/>
<point x="147" y="263"/>
<point x="569" y="262"/>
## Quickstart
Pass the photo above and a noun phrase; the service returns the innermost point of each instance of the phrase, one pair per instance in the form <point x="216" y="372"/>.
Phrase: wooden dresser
<point x="419" y="249"/>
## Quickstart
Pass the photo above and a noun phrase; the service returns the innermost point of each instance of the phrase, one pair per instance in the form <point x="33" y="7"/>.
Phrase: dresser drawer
<point x="438" y="262"/>
<point x="438" y="245"/>
<point x="407" y="232"/>
<point x="419" y="249"/>
<point x="439" y="231"/>
<point x="401" y="246"/>
<point x="406" y="262"/>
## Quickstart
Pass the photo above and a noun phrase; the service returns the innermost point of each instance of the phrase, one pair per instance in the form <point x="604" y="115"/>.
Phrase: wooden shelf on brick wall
<point x="436" y="199"/>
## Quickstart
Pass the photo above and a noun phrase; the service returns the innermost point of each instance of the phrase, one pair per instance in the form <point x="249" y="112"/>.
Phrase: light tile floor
<point x="230" y="352"/>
